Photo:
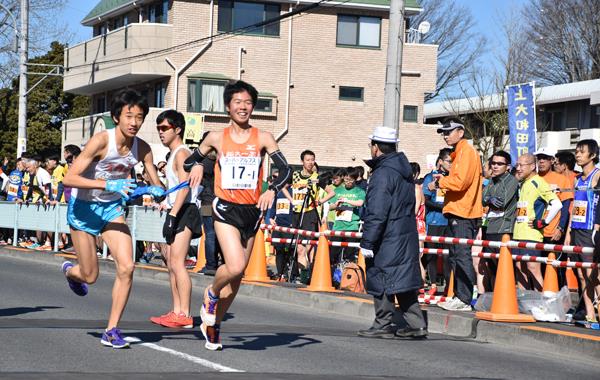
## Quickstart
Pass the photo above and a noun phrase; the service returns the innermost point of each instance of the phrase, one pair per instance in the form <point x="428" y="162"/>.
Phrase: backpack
<point x="353" y="278"/>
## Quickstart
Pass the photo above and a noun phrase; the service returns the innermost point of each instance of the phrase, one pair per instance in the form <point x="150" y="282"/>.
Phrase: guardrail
<point x="145" y="223"/>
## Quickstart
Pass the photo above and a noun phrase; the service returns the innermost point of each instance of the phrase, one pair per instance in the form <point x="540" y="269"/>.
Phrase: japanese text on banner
<point x="521" y="120"/>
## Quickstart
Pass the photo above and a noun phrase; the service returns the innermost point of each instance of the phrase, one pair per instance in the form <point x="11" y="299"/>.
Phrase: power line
<point x="215" y="37"/>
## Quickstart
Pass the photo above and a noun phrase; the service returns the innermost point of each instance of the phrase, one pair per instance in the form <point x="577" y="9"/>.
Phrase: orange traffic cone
<point x="201" y="255"/>
<point x="361" y="262"/>
<point x="571" y="279"/>
<point x="450" y="289"/>
<point x="504" y="302"/>
<point x="550" y="277"/>
<point x="257" y="266"/>
<point x="320" y="280"/>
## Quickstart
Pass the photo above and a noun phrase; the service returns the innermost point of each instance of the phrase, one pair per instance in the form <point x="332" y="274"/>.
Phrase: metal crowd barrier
<point x="145" y="223"/>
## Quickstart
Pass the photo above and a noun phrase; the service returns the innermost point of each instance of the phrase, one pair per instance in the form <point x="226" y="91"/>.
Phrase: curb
<point x="535" y="337"/>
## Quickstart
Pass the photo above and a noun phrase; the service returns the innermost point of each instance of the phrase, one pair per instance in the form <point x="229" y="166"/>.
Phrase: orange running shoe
<point x="158" y="320"/>
<point x="178" y="321"/>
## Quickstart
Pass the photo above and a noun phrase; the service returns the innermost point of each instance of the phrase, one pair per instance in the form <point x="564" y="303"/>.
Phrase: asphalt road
<point x="49" y="333"/>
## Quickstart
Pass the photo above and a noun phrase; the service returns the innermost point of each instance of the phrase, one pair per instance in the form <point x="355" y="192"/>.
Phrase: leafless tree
<point x="44" y="27"/>
<point x="564" y="39"/>
<point x="460" y="45"/>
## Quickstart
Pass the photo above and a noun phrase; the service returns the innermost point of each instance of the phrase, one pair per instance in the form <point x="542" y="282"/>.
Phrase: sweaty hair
<point x="127" y="98"/>
<point x="72" y="149"/>
<point x="352" y="172"/>
<point x="307" y="153"/>
<point x="174" y="118"/>
<point x="592" y="147"/>
<point x="566" y="158"/>
<point x="503" y="154"/>
<point x="233" y="88"/>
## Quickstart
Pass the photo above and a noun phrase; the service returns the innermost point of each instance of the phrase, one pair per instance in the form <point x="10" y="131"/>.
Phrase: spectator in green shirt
<point x="346" y="203"/>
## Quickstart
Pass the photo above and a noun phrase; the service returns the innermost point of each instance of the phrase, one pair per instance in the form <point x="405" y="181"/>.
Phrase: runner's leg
<point x="118" y="238"/>
<point x="172" y="281"/>
<point x="229" y="275"/>
<point x="86" y="269"/>
<point x="176" y="263"/>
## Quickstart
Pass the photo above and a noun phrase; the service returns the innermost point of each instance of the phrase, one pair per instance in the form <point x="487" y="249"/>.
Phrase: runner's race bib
<point x="282" y="207"/>
<point x="13" y="190"/>
<point x="579" y="211"/>
<point x="522" y="212"/>
<point x="239" y="172"/>
<point x="299" y="195"/>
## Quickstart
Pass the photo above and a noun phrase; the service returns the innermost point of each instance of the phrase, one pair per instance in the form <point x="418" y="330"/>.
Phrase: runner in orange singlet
<point x="238" y="206"/>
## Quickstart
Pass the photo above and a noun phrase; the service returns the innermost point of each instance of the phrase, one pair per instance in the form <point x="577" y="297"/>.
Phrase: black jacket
<point x="390" y="228"/>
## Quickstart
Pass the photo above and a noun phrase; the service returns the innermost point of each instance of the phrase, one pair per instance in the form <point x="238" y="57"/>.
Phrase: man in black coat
<point x="390" y="242"/>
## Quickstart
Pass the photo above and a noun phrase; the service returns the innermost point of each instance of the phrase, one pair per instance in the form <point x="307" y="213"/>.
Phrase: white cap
<point x="545" y="151"/>
<point x="384" y="135"/>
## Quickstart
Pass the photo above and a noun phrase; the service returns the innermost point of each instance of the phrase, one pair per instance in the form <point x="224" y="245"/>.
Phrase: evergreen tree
<point x="47" y="106"/>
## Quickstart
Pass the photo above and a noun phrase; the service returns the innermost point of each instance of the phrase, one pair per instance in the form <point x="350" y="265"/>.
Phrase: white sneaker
<point x="455" y="305"/>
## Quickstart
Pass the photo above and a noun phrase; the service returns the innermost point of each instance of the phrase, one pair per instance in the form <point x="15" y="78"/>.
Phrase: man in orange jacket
<point x="463" y="209"/>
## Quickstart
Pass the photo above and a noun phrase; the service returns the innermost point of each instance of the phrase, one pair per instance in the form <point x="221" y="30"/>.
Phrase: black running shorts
<point x="189" y="216"/>
<point x="246" y="218"/>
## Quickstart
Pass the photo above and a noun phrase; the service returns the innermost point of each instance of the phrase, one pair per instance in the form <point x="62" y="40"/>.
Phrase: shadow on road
<point x="262" y="342"/>
<point x="12" y="311"/>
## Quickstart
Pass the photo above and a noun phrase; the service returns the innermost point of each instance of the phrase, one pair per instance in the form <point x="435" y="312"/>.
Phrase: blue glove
<point x="155" y="191"/>
<point x="121" y="186"/>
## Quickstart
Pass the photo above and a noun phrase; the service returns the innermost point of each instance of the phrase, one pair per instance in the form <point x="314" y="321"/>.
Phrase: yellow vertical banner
<point x="194" y="127"/>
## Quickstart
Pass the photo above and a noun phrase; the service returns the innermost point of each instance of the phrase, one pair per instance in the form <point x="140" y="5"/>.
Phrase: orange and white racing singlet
<point x="238" y="170"/>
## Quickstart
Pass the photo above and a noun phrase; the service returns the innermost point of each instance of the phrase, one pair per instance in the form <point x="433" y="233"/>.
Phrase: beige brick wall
<point x="336" y="130"/>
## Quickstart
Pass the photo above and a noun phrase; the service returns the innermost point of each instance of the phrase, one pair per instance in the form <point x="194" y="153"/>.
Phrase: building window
<point x="264" y="105"/>
<point x="358" y="31"/>
<point x="99" y="29"/>
<point x="352" y="93"/>
<point x="206" y="95"/>
<point x="159" y="94"/>
<point x="234" y="15"/>
<point x="411" y="114"/>
<point x="119" y="21"/>
<point x="158" y="12"/>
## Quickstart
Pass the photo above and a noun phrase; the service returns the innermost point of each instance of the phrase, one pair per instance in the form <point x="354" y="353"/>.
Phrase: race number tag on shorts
<point x="239" y="172"/>
<point x="344" y="216"/>
<point x="579" y="211"/>
<point x="522" y="212"/>
<point x="146" y="200"/>
<point x="440" y="195"/>
<point x="283" y="207"/>
<point x="13" y="190"/>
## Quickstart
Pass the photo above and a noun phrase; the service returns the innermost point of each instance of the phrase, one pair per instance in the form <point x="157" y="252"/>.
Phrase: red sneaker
<point x="178" y="321"/>
<point x="158" y="320"/>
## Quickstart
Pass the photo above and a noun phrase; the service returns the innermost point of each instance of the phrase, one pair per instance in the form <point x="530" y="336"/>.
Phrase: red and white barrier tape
<point x="431" y="300"/>
<point x="448" y="240"/>
<point x="429" y="251"/>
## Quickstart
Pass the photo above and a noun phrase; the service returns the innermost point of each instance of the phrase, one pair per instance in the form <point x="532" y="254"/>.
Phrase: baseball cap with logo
<point x="450" y="126"/>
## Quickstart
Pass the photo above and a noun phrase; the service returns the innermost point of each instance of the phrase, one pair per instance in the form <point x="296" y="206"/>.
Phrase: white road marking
<point x="183" y="355"/>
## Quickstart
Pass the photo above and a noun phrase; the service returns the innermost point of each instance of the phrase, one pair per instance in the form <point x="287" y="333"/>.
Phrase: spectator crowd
<point x="539" y="198"/>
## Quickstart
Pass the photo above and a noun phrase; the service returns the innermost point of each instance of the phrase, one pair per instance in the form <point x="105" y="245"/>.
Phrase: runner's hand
<point x="156" y="191"/>
<point x="196" y="175"/>
<point x="121" y="186"/>
<point x="266" y="200"/>
<point x="557" y="235"/>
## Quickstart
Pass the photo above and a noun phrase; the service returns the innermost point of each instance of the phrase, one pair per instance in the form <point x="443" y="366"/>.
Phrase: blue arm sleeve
<point x="564" y="214"/>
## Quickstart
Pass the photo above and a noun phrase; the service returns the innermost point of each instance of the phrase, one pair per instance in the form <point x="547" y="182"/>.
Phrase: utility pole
<point x="23" y="52"/>
<point x="393" y="70"/>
